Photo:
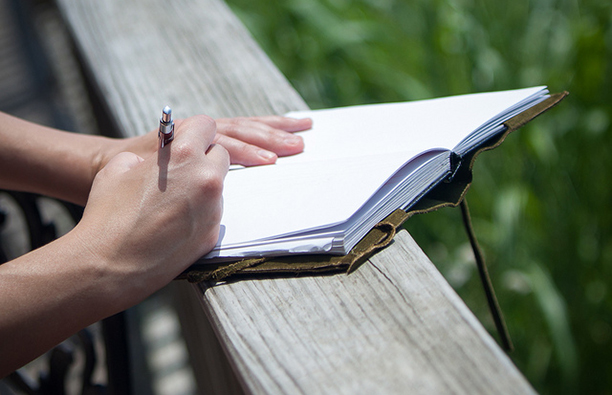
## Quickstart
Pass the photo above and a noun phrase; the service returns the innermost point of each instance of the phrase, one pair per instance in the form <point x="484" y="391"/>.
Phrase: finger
<point x="219" y="157"/>
<point x="241" y="153"/>
<point x="285" y="123"/>
<point x="262" y="135"/>
<point x="200" y="129"/>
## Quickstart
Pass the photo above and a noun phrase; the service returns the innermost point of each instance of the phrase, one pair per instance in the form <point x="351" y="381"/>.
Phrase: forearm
<point x="52" y="293"/>
<point x="135" y="236"/>
<point x="47" y="161"/>
<point x="43" y="160"/>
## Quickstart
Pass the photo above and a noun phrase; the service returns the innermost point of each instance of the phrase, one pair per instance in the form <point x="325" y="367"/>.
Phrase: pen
<point x="166" y="127"/>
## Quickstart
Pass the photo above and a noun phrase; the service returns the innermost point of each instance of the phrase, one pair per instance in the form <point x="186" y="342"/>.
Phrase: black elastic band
<point x="496" y="312"/>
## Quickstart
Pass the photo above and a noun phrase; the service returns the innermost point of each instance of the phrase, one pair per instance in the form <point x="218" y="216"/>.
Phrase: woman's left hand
<point x="250" y="141"/>
<point x="256" y="141"/>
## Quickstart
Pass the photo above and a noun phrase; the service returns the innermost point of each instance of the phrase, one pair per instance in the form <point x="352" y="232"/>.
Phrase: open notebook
<point x="359" y="164"/>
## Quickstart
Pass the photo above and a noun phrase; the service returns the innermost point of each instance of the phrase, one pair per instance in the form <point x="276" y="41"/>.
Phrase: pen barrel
<point x="166" y="127"/>
<point x="166" y="132"/>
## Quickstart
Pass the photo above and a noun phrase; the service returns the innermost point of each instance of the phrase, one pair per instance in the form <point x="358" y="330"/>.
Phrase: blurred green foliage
<point x="541" y="201"/>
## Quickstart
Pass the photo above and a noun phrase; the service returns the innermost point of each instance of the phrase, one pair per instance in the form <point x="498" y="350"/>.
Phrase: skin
<point x="116" y="255"/>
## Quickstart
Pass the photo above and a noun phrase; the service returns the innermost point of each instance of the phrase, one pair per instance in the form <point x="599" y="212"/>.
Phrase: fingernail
<point x="267" y="155"/>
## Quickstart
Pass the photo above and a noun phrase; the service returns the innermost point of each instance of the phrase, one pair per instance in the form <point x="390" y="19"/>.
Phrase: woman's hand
<point x="260" y="140"/>
<point x="156" y="215"/>
<point x="146" y="220"/>
<point x="250" y="141"/>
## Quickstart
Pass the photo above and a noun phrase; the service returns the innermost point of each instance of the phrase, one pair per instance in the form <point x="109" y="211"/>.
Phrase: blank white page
<point x="396" y="127"/>
<point x="349" y="153"/>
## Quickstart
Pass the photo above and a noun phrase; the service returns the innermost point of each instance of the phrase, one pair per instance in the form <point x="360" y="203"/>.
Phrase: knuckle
<point x="184" y="150"/>
<point x="208" y="122"/>
<point x="212" y="185"/>
<point x="205" y="121"/>
<point x="245" y="150"/>
<point x="200" y="124"/>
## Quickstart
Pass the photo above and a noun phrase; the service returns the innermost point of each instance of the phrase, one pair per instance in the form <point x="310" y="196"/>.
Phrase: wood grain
<point x="193" y="55"/>
<point x="394" y="326"/>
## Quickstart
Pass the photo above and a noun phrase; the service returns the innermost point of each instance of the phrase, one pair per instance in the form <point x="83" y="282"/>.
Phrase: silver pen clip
<point x="166" y="127"/>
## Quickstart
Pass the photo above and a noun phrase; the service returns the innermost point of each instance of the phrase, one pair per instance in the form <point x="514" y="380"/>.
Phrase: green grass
<point x="540" y="202"/>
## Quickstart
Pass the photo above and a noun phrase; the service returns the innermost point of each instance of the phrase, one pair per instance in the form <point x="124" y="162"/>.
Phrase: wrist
<point x="119" y="279"/>
<point x="105" y="149"/>
<point x="108" y="288"/>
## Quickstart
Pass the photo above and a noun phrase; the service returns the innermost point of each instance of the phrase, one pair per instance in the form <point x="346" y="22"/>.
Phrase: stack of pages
<point x="359" y="164"/>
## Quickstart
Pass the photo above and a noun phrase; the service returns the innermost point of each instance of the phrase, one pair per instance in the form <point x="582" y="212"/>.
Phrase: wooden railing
<point x="393" y="326"/>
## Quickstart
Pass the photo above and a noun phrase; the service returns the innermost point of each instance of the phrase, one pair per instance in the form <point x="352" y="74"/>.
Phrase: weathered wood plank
<point x="193" y="55"/>
<point x="394" y="326"/>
